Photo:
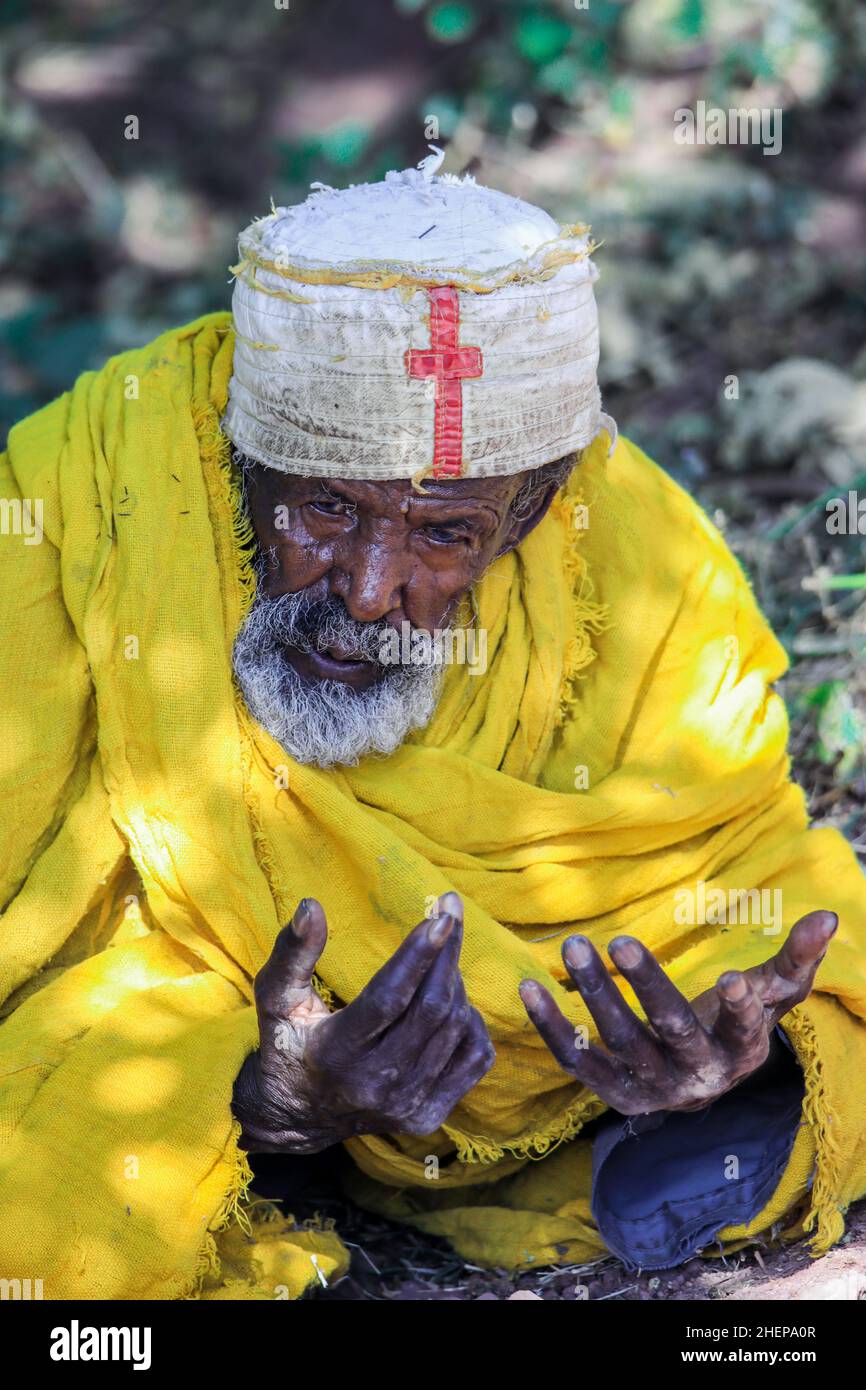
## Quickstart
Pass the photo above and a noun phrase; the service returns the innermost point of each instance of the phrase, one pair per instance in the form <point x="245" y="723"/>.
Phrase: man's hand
<point x="688" y="1054"/>
<point x="395" y="1060"/>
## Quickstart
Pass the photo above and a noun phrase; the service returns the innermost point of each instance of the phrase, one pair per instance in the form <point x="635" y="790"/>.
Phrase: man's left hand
<point x="687" y="1054"/>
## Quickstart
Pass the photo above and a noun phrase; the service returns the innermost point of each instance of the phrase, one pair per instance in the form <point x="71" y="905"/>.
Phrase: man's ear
<point x="522" y="525"/>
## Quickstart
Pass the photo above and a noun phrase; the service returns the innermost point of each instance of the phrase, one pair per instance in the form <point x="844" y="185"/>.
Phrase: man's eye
<point x="331" y="506"/>
<point x="445" y="535"/>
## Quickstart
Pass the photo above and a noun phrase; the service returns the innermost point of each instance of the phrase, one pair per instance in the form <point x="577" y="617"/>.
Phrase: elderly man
<point x="351" y="612"/>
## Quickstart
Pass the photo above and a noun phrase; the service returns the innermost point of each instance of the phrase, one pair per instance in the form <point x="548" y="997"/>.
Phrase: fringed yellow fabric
<point x="625" y="744"/>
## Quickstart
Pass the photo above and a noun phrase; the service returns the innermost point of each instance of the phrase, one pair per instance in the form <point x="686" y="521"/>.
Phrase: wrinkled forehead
<point x="395" y="491"/>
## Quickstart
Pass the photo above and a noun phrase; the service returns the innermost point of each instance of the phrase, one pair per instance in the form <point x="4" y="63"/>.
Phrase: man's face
<point x="390" y="554"/>
<point x="348" y="572"/>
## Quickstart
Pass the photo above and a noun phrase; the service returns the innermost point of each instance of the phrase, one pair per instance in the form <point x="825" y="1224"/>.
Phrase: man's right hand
<point x="395" y="1060"/>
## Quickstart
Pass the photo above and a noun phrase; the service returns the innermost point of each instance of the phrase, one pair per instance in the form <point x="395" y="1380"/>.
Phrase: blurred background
<point x="138" y="139"/>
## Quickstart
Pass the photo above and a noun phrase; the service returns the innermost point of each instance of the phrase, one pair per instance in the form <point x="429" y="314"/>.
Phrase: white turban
<point x="421" y="326"/>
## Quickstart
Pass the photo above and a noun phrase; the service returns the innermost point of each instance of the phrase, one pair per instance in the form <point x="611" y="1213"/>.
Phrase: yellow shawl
<point x="624" y="744"/>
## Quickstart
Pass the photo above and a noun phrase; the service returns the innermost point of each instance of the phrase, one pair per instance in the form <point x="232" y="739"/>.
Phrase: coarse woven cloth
<point x="624" y="744"/>
<point x="333" y="306"/>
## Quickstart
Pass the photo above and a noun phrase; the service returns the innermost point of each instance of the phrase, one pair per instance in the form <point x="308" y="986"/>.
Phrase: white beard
<point x="327" y="722"/>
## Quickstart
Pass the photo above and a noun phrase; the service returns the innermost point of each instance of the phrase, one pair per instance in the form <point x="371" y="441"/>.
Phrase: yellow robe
<point x="625" y="743"/>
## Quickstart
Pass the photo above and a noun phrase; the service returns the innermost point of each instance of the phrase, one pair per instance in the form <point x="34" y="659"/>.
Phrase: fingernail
<point x="625" y="952"/>
<point x="529" y="993"/>
<point x="450" y="905"/>
<point x="734" y="987"/>
<point x="440" y="930"/>
<point x="301" y="917"/>
<point x="578" y="952"/>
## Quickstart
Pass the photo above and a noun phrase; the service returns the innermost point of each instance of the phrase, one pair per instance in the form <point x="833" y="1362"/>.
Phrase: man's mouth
<point x="333" y="664"/>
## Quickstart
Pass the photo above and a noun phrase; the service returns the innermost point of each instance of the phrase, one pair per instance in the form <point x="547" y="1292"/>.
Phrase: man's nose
<point x="370" y="581"/>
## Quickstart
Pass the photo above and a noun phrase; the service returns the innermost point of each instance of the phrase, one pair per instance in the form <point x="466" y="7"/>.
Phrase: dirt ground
<point x="392" y="1263"/>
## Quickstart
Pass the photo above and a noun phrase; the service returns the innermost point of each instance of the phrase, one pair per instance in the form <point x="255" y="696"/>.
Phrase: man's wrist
<point x="267" y="1127"/>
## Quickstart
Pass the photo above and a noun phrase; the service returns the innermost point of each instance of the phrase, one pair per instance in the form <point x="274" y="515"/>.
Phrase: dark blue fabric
<point x="659" y="1190"/>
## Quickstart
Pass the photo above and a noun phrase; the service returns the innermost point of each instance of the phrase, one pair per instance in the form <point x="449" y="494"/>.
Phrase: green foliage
<point x="451" y="22"/>
<point x="840" y="727"/>
<point x="540" y="36"/>
<point x="344" y="144"/>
